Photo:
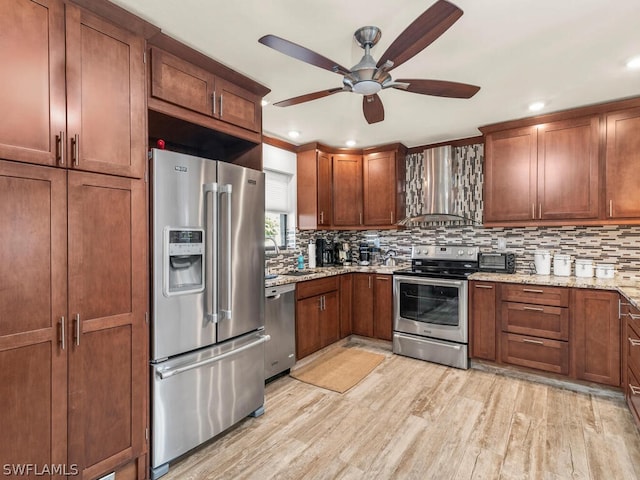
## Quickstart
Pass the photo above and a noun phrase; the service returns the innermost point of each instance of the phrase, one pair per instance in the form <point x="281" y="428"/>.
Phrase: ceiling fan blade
<point x="372" y="108"/>
<point x="439" y="88"/>
<point x="421" y="33"/>
<point x="309" y="96"/>
<point x="301" y="53"/>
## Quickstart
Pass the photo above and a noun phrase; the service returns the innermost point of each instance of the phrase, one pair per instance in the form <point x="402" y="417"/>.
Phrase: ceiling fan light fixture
<point x="367" y="87"/>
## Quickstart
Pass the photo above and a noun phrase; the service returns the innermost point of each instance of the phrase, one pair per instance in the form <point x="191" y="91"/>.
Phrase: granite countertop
<point x="321" y="272"/>
<point x="628" y="288"/>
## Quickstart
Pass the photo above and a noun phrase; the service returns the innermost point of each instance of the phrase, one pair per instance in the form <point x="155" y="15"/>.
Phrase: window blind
<point x="277" y="192"/>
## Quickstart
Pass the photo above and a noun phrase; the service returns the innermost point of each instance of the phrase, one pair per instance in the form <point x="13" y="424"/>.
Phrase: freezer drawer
<point x="198" y="395"/>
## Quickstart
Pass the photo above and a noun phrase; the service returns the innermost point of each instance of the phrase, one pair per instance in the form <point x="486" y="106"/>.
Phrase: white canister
<point x="605" y="270"/>
<point x="542" y="262"/>
<point x="562" y="265"/>
<point x="584" y="267"/>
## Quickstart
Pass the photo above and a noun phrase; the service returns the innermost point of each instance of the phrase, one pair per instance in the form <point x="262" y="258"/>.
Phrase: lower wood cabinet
<point x="482" y="320"/>
<point x="73" y="338"/>
<point x="317" y="315"/>
<point x="534" y="352"/>
<point x="595" y="336"/>
<point x="373" y="305"/>
<point x="346" y="304"/>
<point x="631" y="359"/>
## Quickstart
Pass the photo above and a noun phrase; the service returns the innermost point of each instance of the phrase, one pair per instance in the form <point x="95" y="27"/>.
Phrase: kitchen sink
<point x="297" y="273"/>
<point x="269" y="276"/>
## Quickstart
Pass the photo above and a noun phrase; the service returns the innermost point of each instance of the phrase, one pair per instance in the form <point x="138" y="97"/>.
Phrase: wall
<point x="611" y="244"/>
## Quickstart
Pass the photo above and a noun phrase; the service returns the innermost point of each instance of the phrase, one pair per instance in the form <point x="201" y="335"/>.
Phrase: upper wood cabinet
<point x="384" y="187"/>
<point x="196" y="94"/>
<point x="347" y="190"/>
<point x="544" y="172"/>
<point x="77" y="81"/>
<point x="351" y="190"/>
<point x="623" y="164"/>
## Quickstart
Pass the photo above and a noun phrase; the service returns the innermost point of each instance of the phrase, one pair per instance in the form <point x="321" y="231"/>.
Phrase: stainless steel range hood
<point x="439" y="197"/>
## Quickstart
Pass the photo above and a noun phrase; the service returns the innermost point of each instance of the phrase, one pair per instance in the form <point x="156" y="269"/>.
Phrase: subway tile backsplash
<point x="615" y="244"/>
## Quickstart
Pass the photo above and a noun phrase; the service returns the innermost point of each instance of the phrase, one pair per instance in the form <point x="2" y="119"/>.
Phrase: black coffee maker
<point x="365" y="254"/>
<point x="324" y="253"/>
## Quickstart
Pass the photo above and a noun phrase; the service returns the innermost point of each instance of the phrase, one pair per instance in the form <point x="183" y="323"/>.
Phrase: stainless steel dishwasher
<point x="280" y="324"/>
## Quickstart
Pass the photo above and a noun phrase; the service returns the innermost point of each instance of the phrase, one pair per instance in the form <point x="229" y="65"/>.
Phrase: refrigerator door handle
<point x="170" y="373"/>
<point x="211" y="277"/>
<point x="226" y="314"/>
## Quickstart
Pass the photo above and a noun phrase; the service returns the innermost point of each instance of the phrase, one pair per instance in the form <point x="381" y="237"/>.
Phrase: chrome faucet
<point x="275" y="244"/>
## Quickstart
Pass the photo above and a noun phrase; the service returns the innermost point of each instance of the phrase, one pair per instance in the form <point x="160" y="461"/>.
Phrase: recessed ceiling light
<point x="536" y="106"/>
<point x="264" y="102"/>
<point x="350" y="143"/>
<point x="633" y="63"/>
<point x="294" y="134"/>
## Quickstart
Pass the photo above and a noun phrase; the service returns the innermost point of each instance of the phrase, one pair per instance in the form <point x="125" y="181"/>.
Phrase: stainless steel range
<point x="430" y="320"/>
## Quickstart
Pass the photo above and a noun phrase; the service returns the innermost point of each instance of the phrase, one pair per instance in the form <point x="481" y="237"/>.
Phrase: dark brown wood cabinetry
<point x="544" y="172"/>
<point x="631" y="358"/>
<point x="482" y="320"/>
<point x="317" y="315"/>
<point x="595" y="336"/>
<point x="350" y="190"/>
<point x="79" y="336"/>
<point x="66" y="119"/>
<point x="346" y="304"/>
<point x="194" y="89"/>
<point x="623" y="164"/>
<point x="372" y="305"/>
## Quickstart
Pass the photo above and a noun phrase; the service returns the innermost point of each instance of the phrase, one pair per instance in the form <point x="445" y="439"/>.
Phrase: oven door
<point x="430" y="307"/>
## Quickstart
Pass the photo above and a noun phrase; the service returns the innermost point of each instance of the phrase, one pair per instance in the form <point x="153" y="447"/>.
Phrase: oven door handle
<point x="439" y="282"/>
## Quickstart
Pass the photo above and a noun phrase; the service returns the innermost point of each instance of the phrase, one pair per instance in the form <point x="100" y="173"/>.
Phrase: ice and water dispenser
<point x="183" y="260"/>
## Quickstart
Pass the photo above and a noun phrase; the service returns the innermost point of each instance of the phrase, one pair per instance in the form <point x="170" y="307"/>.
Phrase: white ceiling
<point x="566" y="53"/>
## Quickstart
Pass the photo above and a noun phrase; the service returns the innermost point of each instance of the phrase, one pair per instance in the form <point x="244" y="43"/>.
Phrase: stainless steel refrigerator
<point x="207" y="329"/>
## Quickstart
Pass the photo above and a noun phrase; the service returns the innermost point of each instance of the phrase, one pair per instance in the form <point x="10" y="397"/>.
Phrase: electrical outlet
<point x="502" y="243"/>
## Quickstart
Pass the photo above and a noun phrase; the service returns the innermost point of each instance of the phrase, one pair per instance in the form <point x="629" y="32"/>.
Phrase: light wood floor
<point x="417" y="420"/>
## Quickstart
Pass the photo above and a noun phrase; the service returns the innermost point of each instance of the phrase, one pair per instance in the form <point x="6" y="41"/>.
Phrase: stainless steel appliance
<point x="324" y="253"/>
<point x="280" y="325"/>
<point x="430" y="320"/>
<point x="500" y="262"/>
<point x="207" y="330"/>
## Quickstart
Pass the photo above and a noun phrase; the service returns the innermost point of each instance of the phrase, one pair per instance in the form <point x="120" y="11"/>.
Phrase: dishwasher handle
<point x="170" y="373"/>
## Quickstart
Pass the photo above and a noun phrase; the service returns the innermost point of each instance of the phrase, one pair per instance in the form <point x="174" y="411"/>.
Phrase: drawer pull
<point x="634" y="316"/>
<point x="528" y="340"/>
<point x="634" y="342"/>
<point x="634" y="390"/>
<point x="534" y="309"/>
<point x="532" y="290"/>
<point x="490" y="287"/>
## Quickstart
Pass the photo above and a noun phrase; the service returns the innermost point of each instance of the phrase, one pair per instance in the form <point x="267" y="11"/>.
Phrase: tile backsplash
<point x="615" y="244"/>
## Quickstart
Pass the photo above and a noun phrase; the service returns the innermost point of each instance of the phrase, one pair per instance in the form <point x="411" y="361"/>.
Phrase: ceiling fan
<point x="368" y="77"/>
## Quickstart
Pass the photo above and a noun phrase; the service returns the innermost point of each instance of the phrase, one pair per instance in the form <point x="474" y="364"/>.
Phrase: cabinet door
<point x="329" y="319"/>
<point x="325" y="190"/>
<point x="568" y="169"/>
<point x="307" y="326"/>
<point x="379" y="186"/>
<point x="510" y="175"/>
<point x="181" y="83"/>
<point x="346" y="304"/>
<point x="347" y="190"/>
<point x="106" y="110"/>
<point x="307" y="190"/>
<point x="482" y="320"/>
<point x="32" y="97"/>
<point x="107" y="301"/>
<point x="595" y="337"/>
<point x="238" y="106"/>
<point x="33" y="303"/>
<point x="623" y="164"/>
<point x="383" y="307"/>
<point x="362" y="319"/>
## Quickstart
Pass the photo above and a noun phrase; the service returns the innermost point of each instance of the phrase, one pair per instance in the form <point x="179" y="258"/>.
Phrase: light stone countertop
<point x="628" y="288"/>
<point x="321" y="272"/>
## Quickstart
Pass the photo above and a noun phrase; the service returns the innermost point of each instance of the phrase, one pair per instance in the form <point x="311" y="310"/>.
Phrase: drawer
<point x="535" y="352"/>
<point x="536" y="294"/>
<point x="311" y="288"/>
<point x="633" y="318"/>
<point x="633" y="348"/>
<point x="536" y="320"/>
<point x="632" y="392"/>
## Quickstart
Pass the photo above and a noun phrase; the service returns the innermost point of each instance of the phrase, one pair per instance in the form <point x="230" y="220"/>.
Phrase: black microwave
<point x="497" y="262"/>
